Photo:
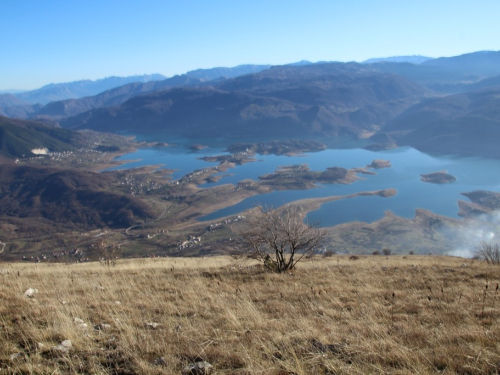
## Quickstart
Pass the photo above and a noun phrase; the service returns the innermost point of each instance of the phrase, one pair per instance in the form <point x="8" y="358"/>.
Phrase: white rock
<point x="67" y="344"/>
<point x="30" y="292"/>
<point x="80" y="323"/>
<point x="201" y="368"/>
<point x="64" y="346"/>
<point x="4" y="271"/>
<point x="152" y="325"/>
<point x="14" y="356"/>
<point x="118" y="303"/>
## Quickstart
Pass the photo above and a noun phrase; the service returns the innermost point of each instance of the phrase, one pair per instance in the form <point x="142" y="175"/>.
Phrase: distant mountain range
<point x="116" y="96"/>
<point x="465" y="124"/>
<point x="84" y="88"/>
<point x="415" y="59"/>
<point x="79" y="89"/>
<point x="63" y="99"/>
<point x="481" y="64"/>
<point x="216" y="73"/>
<point x="295" y="100"/>
<point x="298" y="99"/>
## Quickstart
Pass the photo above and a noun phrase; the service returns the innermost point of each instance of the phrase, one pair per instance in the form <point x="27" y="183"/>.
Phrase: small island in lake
<point x="161" y="144"/>
<point x="438" y="178"/>
<point x="197" y="147"/>
<point x="298" y="177"/>
<point x="379" y="164"/>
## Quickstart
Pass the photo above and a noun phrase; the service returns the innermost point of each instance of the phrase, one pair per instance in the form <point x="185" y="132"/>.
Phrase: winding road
<point x="143" y="225"/>
<point x="2" y="244"/>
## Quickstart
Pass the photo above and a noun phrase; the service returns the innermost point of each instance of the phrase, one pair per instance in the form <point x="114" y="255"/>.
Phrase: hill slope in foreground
<point x="376" y="315"/>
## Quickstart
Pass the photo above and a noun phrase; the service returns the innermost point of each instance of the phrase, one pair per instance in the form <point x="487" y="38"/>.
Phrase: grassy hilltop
<point x="374" y="315"/>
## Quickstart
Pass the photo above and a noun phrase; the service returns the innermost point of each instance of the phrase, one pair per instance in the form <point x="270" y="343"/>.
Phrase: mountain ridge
<point x="462" y="124"/>
<point x="413" y="59"/>
<point x="77" y="89"/>
<point x="311" y="99"/>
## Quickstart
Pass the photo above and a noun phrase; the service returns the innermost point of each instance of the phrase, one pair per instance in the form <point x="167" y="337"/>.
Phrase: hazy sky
<point x="44" y="41"/>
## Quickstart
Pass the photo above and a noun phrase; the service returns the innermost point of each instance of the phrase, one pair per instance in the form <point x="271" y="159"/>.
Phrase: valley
<point x="249" y="187"/>
<point x="379" y="153"/>
<point x="162" y="209"/>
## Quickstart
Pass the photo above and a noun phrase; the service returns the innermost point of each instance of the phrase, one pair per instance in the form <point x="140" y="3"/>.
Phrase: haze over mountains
<point x="415" y="59"/>
<point x="78" y="89"/>
<point x="300" y="99"/>
<point x="320" y="99"/>
<point x="442" y="106"/>
<point x="468" y="124"/>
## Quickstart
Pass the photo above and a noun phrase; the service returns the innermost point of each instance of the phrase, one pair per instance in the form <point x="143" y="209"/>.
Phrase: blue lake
<point x="404" y="176"/>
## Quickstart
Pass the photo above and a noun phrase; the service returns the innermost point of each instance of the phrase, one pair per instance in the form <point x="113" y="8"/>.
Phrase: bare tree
<point x="279" y="238"/>
<point x="489" y="251"/>
<point x="104" y="253"/>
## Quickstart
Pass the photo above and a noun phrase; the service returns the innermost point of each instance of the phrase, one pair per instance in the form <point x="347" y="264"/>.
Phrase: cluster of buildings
<point x="136" y="187"/>
<point x="212" y="227"/>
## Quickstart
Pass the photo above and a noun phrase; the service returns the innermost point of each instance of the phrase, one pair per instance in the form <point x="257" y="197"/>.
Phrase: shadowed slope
<point x="19" y="137"/>
<point x="69" y="197"/>
<point x="327" y="99"/>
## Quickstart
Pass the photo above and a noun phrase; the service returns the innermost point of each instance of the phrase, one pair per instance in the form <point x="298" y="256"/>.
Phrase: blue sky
<point x="44" y="41"/>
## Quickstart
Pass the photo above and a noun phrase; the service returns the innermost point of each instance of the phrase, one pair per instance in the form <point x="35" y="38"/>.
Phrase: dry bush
<point x="404" y="316"/>
<point x="489" y="252"/>
<point x="329" y="253"/>
<point x="279" y="238"/>
<point x="106" y="254"/>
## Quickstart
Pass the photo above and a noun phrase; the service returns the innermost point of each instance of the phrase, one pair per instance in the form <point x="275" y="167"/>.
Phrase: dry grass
<point x="375" y="315"/>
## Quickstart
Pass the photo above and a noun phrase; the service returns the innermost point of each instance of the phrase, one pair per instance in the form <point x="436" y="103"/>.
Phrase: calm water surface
<point x="404" y="176"/>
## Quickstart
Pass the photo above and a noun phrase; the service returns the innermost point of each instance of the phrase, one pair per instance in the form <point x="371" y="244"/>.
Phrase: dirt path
<point x="2" y="244"/>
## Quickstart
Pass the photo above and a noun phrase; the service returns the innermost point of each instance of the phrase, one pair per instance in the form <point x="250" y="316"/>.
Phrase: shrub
<point x="279" y="238"/>
<point x="329" y="253"/>
<point x="488" y="251"/>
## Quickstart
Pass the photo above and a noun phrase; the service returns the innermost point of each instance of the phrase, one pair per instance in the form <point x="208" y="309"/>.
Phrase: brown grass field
<point x="374" y="315"/>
